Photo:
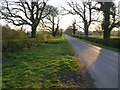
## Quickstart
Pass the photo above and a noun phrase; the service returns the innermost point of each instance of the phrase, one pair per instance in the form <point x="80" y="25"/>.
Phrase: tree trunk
<point x="53" y="27"/>
<point x="53" y="30"/>
<point x="106" y="21"/>
<point x="53" y="33"/>
<point x="56" y="30"/>
<point x="33" y="32"/>
<point x="106" y="35"/>
<point x="86" y="29"/>
<point x="73" y="32"/>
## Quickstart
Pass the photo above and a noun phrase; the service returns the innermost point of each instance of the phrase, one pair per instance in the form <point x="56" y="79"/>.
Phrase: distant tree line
<point x="88" y="12"/>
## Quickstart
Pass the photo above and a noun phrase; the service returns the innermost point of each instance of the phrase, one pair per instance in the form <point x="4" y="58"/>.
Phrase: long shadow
<point x="102" y="64"/>
<point x="104" y="70"/>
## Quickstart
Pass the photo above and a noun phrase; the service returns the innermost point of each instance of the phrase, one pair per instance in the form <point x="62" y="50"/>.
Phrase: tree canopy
<point x="27" y="12"/>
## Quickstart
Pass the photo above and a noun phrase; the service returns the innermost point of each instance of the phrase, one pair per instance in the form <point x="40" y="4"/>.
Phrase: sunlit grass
<point x="112" y="44"/>
<point x="101" y="37"/>
<point x="102" y="46"/>
<point x="40" y="67"/>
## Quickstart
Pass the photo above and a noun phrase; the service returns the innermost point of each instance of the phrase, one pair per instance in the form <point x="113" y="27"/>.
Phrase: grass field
<point x="50" y="65"/>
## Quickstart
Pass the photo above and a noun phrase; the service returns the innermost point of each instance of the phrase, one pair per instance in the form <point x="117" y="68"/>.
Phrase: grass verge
<point x="99" y="45"/>
<point x="51" y="65"/>
<point x="102" y="46"/>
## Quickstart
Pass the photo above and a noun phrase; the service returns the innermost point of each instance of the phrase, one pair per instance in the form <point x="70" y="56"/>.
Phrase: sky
<point x="66" y="19"/>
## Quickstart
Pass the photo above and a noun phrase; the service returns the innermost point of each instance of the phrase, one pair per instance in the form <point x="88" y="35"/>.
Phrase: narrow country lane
<point x="102" y="64"/>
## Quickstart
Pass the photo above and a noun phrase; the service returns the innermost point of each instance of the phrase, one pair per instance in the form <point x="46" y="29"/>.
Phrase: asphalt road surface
<point x="102" y="64"/>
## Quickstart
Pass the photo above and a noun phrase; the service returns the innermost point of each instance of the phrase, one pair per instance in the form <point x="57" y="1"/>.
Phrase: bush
<point x="113" y="42"/>
<point x="42" y="36"/>
<point x="8" y="34"/>
<point x="95" y="40"/>
<point x="32" y="42"/>
<point x="12" y="45"/>
<point x="12" y="40"/>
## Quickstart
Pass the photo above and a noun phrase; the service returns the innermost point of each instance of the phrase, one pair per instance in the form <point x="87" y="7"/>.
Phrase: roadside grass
<point x="98" y="36"/>
<point x="50" y="65"/>
<point x="100" y="45"/>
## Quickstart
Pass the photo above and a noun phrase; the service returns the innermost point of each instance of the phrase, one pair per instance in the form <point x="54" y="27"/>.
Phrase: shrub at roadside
<point x="12" y="45"/>
<point x="113" y="42"/>
<point x="43" y="36"/>
<point x="12" y="40"/>
<point x="32" y="42"/>
<point x="8" y="33"/>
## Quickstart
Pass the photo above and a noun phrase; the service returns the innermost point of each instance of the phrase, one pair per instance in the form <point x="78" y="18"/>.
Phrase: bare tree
<point x="53" y="19"/>
<point x="74" y="27"/>
<point x="24" y="12"/>
<point x="99" y="29"/>
<point x="84" y="10"/>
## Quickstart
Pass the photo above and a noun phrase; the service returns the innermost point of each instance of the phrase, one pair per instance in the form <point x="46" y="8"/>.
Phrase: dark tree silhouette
<point x="110" y="20"/>
<point x="85" y="12"/>
<point x="53" y="20"/>
<point x="74" y="27"/>
<point x="24" y="12"/>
